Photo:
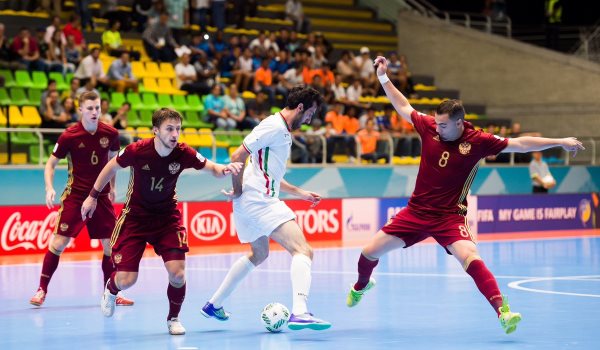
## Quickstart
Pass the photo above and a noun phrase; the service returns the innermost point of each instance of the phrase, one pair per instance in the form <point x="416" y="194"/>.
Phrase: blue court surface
<point x="423" y="300"/>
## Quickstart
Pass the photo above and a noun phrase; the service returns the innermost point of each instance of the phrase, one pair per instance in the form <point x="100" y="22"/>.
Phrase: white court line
<point x="517" y="285"/>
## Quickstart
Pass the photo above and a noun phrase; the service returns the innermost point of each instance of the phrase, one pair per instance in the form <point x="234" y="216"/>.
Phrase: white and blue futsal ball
<point x="274" y="317"/>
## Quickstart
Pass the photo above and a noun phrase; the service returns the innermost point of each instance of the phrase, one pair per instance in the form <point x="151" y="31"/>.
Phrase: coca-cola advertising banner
<point x="211" y="223"/>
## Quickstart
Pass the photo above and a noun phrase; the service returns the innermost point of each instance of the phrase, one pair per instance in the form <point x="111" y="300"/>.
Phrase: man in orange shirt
<point x="368" y="138"/>
<point x="263" y="80"/>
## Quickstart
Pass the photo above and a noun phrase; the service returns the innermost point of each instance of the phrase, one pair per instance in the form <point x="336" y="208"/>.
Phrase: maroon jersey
<point x="448" y="168"/>
<point x="153" y="178"/>
<point x="87" y="154"/>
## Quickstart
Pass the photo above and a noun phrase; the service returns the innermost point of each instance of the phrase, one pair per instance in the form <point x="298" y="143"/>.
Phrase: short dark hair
<point x="305" y="95"/>
<point x="160" y="115"/>
<point x="453" y="108"/>
<point x="88" y="95"/>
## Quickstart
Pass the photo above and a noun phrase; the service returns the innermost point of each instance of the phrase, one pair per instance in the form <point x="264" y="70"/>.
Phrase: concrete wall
<point x="547" y="91"/>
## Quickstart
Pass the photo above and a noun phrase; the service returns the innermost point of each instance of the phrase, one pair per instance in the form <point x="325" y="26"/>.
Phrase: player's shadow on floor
<point x="64" y="308"/>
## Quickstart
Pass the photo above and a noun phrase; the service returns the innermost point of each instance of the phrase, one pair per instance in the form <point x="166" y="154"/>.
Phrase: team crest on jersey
<point x="104" y="142"/>
<point x="464" y="148"/>
<point x="117" y="258"/>
<point x="64" y="226"/>
<point x="174" y="167"/>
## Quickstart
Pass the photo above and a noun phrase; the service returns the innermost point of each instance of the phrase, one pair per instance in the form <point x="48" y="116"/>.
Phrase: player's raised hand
<point x="312" y="197"/>
<point x="233" y="168"/>
<point x="50" y="194"/>
<point x="572" y="144"/>
<point x="381" y="64"/>
<point x="88" y="208"/>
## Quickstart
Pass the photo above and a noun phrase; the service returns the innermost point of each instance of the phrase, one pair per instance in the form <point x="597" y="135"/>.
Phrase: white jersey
<point x="269" y="145"/>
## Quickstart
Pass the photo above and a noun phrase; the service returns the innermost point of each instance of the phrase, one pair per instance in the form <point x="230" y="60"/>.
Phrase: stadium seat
<point x="180" y="104"/>
<point x="23" y="79"/>
<point x="206" y="138"/>
<point x="18" y="97"/>
<point x="4" y="98"/>
<point x="24" y="138"/>
<point x="138" y="70"/>
<point x="222" y="155"/>
<point x="145" y="117"/>
<point x="144" y="132"/>
<point x="166" y="87"/>
<point x="150" y="102"/>
<point x="165" y="101"/>
<point x="34" y="154"/>
<point x="133" y="119"/>
<point x="236" y="139"/>
<point x="31" y="116"/>
<point x="9" y="79"/>
<point x="192" y="119"/>
<point x="35" y="96"/>
<point x="222" y="140"/>
<point x="152" y="70"/>
<point x="39" y="80"/>
<point x="150" y="84"/>
<point x="61" y="83"/>
<point x="166" y="71"/>
<point x="2" y="121"/>
<point x="135" y="100"/>
<point x="195" y="104"/>
<point x="116" y="100"/>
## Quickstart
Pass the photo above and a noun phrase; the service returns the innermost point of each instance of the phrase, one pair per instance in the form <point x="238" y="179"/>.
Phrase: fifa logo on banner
<point x="34" y="234"/>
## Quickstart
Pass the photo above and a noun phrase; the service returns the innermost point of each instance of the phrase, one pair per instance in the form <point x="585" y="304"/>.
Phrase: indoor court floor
<point x="423" y="300"/>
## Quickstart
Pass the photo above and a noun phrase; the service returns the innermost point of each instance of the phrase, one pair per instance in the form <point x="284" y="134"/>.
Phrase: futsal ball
<point x="274" y="317"/>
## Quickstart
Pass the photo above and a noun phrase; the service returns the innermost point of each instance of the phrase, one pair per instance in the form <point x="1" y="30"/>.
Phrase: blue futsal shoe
<point x="307" y="320"/>
<point x="209" y="311"/>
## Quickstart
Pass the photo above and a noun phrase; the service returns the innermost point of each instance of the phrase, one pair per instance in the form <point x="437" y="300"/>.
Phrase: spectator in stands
<point x="354" y="92"/>
<point x="201" y="46"/>
<point x="120" y="76"/>
<point x="320" y="40"/>
<point x="369" y="113"/>
<point x="363" y="64"/>
<point x="50" y="63"/>
<point x="283" y="39"/>
<point x="158" y="7"/>
<point x="56" y="55"/>
<point x="55" y="25"/>
<point x="345" y="67"/>
<point x="179" y="17"/>
<point x="70" y="112"/>
<point x="243" y="71"/>
<point x="52" y="113"/>
<point x="319" y="59"/>
<point x="215" y="108"/>
<point x="88" y="85"/>
<point x="141" y="10"/>
<point x="207" y="73"/>
<point x="295" y="13"/>
<point x="219" y="44"/>
<point x="292" y="77"/>
<point x="72" y="52"/>
<point x="6" y="55"/>
<point x="262" y="42"/>
<point x="105" y="115"/>
<point x="187" y="77"/>
<point x="227" y="63"/>
<point x="244" y="41"/>
<point x="82" y="8"/>
<point x="119" y="122"/>
<point x="158" y="40"/>
<point x="72" y="92"/>
<point x="50" y="87"/>
<point x="367" y="138"/>
<point x="111" y="40"/>
<point x="26" y="49"/>
<point x="259" y="108"/>
<point x="541" y="178"/>
<point x="91" y="68"/>
<point x="339" y="91"/>
<point x="199" y="10"/>
<point x="263" y="80"/>
<point x="73" y="28"/>
<point x="235" y="108"/>
<point x="384" y="122"/>
<point x="218" y="13"/>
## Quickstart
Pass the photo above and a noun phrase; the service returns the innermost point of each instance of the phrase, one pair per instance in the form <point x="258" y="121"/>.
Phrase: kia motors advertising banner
<point x="211" y="223"/>
<point x="536" y="212"/>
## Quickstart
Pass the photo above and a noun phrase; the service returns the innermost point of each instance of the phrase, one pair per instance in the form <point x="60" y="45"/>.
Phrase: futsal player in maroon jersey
<point x="150" y="214"/>
<point x="450" y="156"/>
<point x="88" y="145"/>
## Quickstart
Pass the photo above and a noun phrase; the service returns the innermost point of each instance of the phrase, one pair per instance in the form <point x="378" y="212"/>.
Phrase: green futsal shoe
<point x="354" y="296"/>
<point x="508" y="319"/>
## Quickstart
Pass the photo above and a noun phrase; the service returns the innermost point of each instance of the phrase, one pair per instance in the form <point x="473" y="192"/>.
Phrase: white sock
<point x="301" y="277"/>
<point x="236" y="274"/>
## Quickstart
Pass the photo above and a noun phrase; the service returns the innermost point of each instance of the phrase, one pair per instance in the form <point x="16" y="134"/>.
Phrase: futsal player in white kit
<point x="259" y="214"/>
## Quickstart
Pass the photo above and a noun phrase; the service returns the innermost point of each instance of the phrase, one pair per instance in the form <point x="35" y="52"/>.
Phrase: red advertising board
<point x="211" y="223"/>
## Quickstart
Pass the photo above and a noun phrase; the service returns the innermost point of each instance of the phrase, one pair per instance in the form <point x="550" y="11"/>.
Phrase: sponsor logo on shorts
<point x="174" y="168"/>
<point x="64" y="226"/>
<point x="464" y="148"/>
<point x="208" y="225"/>
<point x="104" y="142"/>
<point x="117" y="258"/>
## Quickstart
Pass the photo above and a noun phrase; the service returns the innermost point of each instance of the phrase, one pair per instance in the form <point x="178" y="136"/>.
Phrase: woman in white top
<point x="242" y="72"/>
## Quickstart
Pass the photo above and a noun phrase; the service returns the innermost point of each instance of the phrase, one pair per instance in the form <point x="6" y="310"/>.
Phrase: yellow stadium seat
<point x="138" y="70"/>
<point x="152" y="70"/>
<point x="144" y="132"/>
<point x="191" y="137"/>
<point x="206" y="137"/>
<point x="2" y="118"/>
<point x="166" y="87"/>
<point x="31" y="116"/>
<point x="19" y="158"/>
<point x="15" y="116"/>
<point x="150" y="85"/>
<point x="167" y="70"/>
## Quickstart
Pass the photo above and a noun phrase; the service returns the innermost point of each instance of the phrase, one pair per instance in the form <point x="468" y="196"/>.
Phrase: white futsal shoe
<point x="108" y="302"/>
<point x="175" y="326"/>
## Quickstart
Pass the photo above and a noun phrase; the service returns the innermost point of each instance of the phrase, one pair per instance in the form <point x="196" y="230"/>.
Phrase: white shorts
<point x="256" y="214"/>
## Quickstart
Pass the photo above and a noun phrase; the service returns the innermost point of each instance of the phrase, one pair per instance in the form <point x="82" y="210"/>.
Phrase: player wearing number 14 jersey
<point x="150" y="214"/>
<point x="451" y="151"/>
<point x="88" y="145"/>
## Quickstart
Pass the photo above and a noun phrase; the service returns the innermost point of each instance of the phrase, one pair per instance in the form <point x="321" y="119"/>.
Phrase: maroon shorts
<point x="412" y="228"/>
<point x="163" y="231"/>
<point x="69" y="222"/>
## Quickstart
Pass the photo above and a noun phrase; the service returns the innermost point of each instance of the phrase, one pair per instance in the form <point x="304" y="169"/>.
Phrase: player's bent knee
<point x="177" y="279"/>
<point x="469" y="260"/>
<point x="258" y="256"/>
<point x="126" y="279"/>
<point x="59" y="243"/>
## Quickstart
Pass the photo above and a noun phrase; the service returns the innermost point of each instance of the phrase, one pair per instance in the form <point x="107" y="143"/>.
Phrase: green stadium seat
<point x="24" y="138"/>
<point x="4" y="98"/>
<point x="34" y="154"/>
<point x="39" y="80"/>
<point x="135" y="100"/>
<point x="193" y="120"/>
<point x="133" y="119"/>
<point x="116" y="101"/>
<point x="23" y="79"/>
<point x="61" y="83"/>
<point x="150" y="102"/>
<point x="69" y="77"/>
<point x="145" y="117"/>
<point x="195" y="104"/>
<point x="9" y="79"/>
<point x="180" y="104"/>
<point x="164" y="101"/>
<point x="35" y="95"/>
<point x="19" y="98"/>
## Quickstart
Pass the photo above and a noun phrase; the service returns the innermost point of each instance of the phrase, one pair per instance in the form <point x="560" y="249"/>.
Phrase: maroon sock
<point x="107" y="268"/>
<point x="176" y="297"/>
<point x="112" y="285"/>
<point x="486" y="282"/>
<point x="365" y="269"/>
<point x="48" y="267"/>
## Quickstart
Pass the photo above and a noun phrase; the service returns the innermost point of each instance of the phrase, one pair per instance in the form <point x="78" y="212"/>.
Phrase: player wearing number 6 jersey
<point x="451" y="151"/>
<point x="88" y="145"/>
<point x="150" y="214"/>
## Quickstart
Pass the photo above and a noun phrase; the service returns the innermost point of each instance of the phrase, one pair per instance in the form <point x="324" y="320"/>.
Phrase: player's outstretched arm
<point x="239" y="156"/>
<point x="49" y="180"/>
<point x="108" y="172"/>
<point x="312" y="197"/>
<point x="399" y="101"/>
<point x="525" y="144"/>
<point x="221" y="170"/>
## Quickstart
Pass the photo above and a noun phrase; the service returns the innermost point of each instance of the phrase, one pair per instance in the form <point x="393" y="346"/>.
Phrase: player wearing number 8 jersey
<point x="150" y="214"/>
<point x="451" y="151"/>
<point x="88" y="145"/>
